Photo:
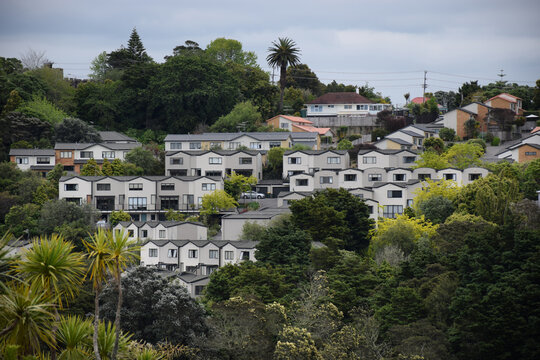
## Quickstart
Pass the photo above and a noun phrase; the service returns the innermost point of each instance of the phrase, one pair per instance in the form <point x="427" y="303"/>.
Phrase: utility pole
<point x="501" y="75"/>
<point x="424" y="86"/>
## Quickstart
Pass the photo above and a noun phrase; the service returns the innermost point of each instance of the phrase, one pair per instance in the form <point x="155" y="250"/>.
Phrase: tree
<point x="91" y="168"/>
<point x="466" y="93"/>
<point x="390" y="122"/>
<point x="471" y="127"/>
<point x="100" y="67"/>
<point x="145" y="159"/>
<point x="447" y="134"/>
<point x="98" y="103"/>
<point x="296" y="343"/>
<point x="283" y="53"/>
<point x="434" y="144"/>
<point x="42" y="109"/>
<point x="275" y="162"/>
<point x="302" y="77"/>
<point x="236" y="184"/>
<point x="73" y="130"/>
<point x="244" y="116"/>
<point x="33" y="59"/>
<point x="344" y="144"/>
<point x="219" y="199"/>
<point x="13" y="102"/>
<point x="443" y="188"/>
<point x="436" y="209"/>
<point x="426" y="112"/>
<point x="107" y="168"/>
<point x="59" y="90"/>
<point x="431" y="159"/>
<point x="229" y="50"/>
<point x="462" y="156"/>
<point x="155" y="309"/>
<point x="190" y="48"/>
<point x="117" y="216"/>
<point x="23" y="220"/>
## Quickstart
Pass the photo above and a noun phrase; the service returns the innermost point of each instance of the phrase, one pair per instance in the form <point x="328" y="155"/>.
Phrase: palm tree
<point x="99" y="253"/>
<point x="406" y="96"/>
<point x="52" y="267"/>
<point x="283" y="53"/>
<point x="123" y="253"/>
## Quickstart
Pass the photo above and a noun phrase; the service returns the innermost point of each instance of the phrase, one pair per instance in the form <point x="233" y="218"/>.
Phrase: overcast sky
<point x="387" y="43"/>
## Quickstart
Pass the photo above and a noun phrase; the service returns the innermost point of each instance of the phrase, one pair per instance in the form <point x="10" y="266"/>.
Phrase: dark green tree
<point x="73" y="130"/>
<point x="302" y="77"/>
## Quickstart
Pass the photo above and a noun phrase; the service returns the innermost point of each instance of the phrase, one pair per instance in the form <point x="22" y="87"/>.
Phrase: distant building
<point x="39" y="160"/>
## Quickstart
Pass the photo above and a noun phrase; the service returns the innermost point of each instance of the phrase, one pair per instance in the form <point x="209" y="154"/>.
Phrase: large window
<point x="176" y="146"/>
<point x="167" y="186"/>
<point x="135" y="186"/>
<point x="450" y="177"/>
<point x="195" y="146"/>
<point x="152" y="252"/>
<point x="213" y="254"/>
<point x="234" y="145"/>
<point x="255" y="145"/>
<point x="21" y="160"/>
<point x="294" y="160"/>
<point x="316" y="108"/>
<point x="162" y="234"/>
<point x="177" y="161"/>
<point x="350" y="177"/>
<point x="209" y="187"/>
<point x="374" y="177"/>
<point x="473" y="177"/>
<point x="530" y="153"/>
<point x="212" y="173"/>
<point x="301" y="182"/>
<point x="424" y="176"/>
<point x="394" y="194"/>
<point x="399" y="177"/>
<point x="333" y="160"/>
<point x="214" y="160"/>
<point x="172" y="253"/>
<point x="192" y="254"/>
<point x="274" y="144"/>
<point x="44" y="160"/>
<point x="65" y="154"/>
<point x="409" y="159"/>
<point x="392" y="211"/>
<point x="107" y="154"/>
<point x="246" y="161"/>
<point x="362" y="107"/>
<point x="326" y="179"/>
<point x="284" y="125"/>
<point x="103" y="187"/>
<point x="347" y="107"/>
<point x="87" y="154"/>
<point x="71" y="187"/>
<point x="137" y="203"/>
<point x="229" y="255"/>
<point x="169" y="202"/>
<point x="369" y="160"/>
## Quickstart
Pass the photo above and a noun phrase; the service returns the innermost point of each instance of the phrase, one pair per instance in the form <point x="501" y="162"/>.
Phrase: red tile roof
<point x="535" y="129"/>
<point x="418" y="100"/>
<point x="507" y="97"/>
<point x="296" y="119"/>
<point x="341" y="98"/>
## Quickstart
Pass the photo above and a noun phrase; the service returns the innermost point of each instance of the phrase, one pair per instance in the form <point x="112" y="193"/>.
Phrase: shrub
<point x="447" y="134"/>
<point x="496" y="141"/>
<point x="479" y="142"/>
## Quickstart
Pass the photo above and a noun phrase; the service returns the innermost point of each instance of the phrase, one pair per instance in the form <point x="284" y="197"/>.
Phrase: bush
<point x="479" y="142"/>
<point x="496" y="141"/>
<point x="489" y="137"/>
<point x="447" y="134"/>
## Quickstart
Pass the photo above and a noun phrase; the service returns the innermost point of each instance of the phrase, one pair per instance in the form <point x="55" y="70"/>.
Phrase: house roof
<point x="114" y="136"/>
<point x="536" y="129"/>
<point x="262" y="136"/>
<point x="316" y="152"/>
<point x="422" y="127"/>
<point x="31" y="152"/>
<point x="190" y="278"/>
<point x="320" y="131"/>
<point x="420" y="100"/>
<point x="387" y="151"/>
<point x="411" y="133"/>
<point x="130" y="178"/>
<point x="301" y="193"/>
<point x="295" y="119"/>
<point x="341" y="98"/>
<point x="296" y="136"/>
<point x="507" y="97"/>
<point x="83" y="146"/>
<point x="396" y="140"/>
<point x="219" y="152"/>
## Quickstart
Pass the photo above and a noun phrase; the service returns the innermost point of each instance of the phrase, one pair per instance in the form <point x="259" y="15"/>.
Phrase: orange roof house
<point x="506" y="101"/>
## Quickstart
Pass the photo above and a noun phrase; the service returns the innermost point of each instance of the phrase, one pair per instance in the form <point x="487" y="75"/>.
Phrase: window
<point x="135" y="186"/>
<point x="244" y="255"/>
<point x="210" y="269"/>
<point x="333" y="160"/>
<point x="246" y="161"/>
<point x="234" y="145"/>
<point x="316" y="108"/>
<point x="213" y="254"/>
<point x="195" y="146"/>
<point x="229" y="255"/>
<point x="212" y="173"/>
<point x="255" y="145"/>
<point x="65" y="154"/>
<point x="209" y="187"/>
<point x="188" y="199"/>
<point x="103" y="187"/>
<point x="192" y="254"/>
<point x="347" y="107"/>
<point x="274" y="144"/>
<point x="399" y="177"/>
<point x="326" y="180"/>
<point x="394" y="194"/>
<point x="214" y="160"/>
<point x="152" y="252"/>
<point x="176" y="146"/>
<point x="362" y="107"/>
<point x="530" y="153"/>
<point x="409" y="159"/>
<point x="284" y="125"/>
<point x="330" y="106"/>
<point x="191" y="269"/>
<point x="144" y="233"/>
<point x="172" y="253"/>
<point x="450" y="177"/>
<point x="130" y="233"/>
<point x="374" y="177"/>
<point x="370" y="209"/>
<point x="369" y="160"/>
<point x="392" y="211"/>
<point x="199" y="289"/>
<point x="420" y="142"/>
<point x="177" y="161"/>
<point x="409" y="202"/>
<point x="301" y="182"/>
<point x="350" y="177"/>
<point x="169" y="202"/>
<point x="71" y="187"/>
<point x="295" y="160"/>
<point x="43" y="160"/>
<point x="22" y="160"/>
<point x="137" y="203"/>
<point x="167" y="186"/>
<point x="107" y="154"/>
<point x="473" y="177"/>
<point x="424" y="176"/>
<point x="87" y="154"/>
<point x="215" y="145"/>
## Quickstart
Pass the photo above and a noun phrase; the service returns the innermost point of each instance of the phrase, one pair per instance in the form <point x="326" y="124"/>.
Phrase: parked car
<point x="252" y="195"/>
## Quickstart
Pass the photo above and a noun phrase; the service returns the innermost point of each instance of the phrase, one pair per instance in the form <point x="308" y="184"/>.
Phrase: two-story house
<point x="214" y="163"/>
<point x="74" y="155"/>
<point x="298" y="124"/>
<point x="310" y="161"/>
<point x="386" y="158"/>
<point x="38" y="160"/>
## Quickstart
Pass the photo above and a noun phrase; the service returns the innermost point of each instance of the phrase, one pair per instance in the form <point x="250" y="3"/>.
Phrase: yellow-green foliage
<point x="444" y="188"/>
<point x="296" y="343"/>
<point x="218" y="199"/>
<point x="402" y="231"/>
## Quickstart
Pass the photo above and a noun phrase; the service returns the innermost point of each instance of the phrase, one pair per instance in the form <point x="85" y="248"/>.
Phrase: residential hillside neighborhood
<point x="199" y="209"/>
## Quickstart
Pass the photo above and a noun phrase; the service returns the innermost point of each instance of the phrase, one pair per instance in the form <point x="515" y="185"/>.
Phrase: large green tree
<point x="281" y="54"/>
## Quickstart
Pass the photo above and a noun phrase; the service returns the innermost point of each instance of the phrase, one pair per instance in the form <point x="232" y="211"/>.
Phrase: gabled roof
<point x="422" y="127"/>
<point x="83" y="146"/>
<point x="507" y="97"/>
<point x="396" y="140"/>
<point x="261" y="136"/>
<point x="316" y="152"/>
<point x="341" y="98"/>
<point x="536" y="129"/>
<point x="295" y="119"/>
<point x="295" y="136"/>
<point x="387" y="151"/>
<point x="218" y="152"/>
<point x="410" y="133"/>
<point x="301" y="193"/>
<point x="31" y="152"/>
<point x="320" y="131"/>
<point x="420" y="100"/>
<point x="149" y="178"/>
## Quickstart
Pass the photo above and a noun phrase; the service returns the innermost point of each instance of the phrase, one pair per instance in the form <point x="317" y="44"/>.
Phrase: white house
<point x="39" y="160"/>
<point x="331" y="104"/>
<point x="386" y="158"/>
<point x="310" y="161"/>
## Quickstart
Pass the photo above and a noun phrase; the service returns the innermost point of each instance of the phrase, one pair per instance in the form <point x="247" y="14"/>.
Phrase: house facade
<point x="310" y="161"/>
<point x="38" y="160"/>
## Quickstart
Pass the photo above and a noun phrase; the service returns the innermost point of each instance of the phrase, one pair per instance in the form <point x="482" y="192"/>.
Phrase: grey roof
<point x="191" y="278"/>
<point x="129" y="178"/>
<point x="316" y="152"/>
<point x="83" y="146"/>
<point x="266" y="213"/>
<point x="287" y="193"/>
<point x="219" y="152"/>
<point x="411" y="133"/>
<point x="277" y="135"/>
<point x="304" y="135"/>
<point x="387" y="151"/>
<point x="165" y="223"/>
<point x="396" y="140"/>
<point x="41" y="167"/>
<point x="31" y="152"/>
<point x="113" y="136"/>
<point x="423" y="127"/>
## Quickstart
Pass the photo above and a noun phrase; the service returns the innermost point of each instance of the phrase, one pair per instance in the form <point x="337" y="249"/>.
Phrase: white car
<point x="252" y="195"/>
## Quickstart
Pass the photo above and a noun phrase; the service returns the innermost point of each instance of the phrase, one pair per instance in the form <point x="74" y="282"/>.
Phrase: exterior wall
<point x="310" y="163"/>
<point x="285" y="200"/>
<point x="462" y="117"/>
<point x="83" y="192"/>
<point x="188" y="231"/>
<point x="450" y="120"/>
<point x="64" y="161"/>
<point x="423" y="171"/>
<point x="401" y="162"/>
<point x="146" y="260"/>
<point x="371" y="171"/>
<point x="391" y="175"/>
<point x="320" y="178"/>
<point x="523" y="157"/>
<point x="474" y="171"/>
<point x="237" y="254"/>
<point x="294" y="186"/>
<point x="204" y="255"/>
<point x="351" y="184"/>
<point x="381" y="160"/>
<point x="185" y="260"/>
<point x="458" y="175"/>
<point x="386" y="144"/>
<point x="32" y="161"/>
<point x="381" y="195"/>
